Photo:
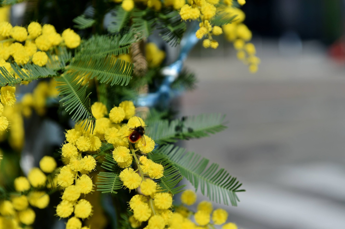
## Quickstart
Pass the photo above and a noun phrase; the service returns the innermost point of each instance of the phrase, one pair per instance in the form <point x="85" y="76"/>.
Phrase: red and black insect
<point x="137" y="133"/>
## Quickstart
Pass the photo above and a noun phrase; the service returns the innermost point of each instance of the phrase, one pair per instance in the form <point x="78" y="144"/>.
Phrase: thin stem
<point x="10" y="39"/>
<point x="137" y="161"/>
<point x="211" y="226"/>
<point x="152" y="207"/>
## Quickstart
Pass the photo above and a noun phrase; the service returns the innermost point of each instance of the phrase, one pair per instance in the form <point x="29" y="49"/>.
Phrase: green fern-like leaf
<point x="222" y="19"/>
<point x="217" y="184"/>
<point x="75" y="100"/>
<point x="102" y="46"/>
<point x="189" y="127"/>
<point x="170" y="26"/>
<point x="142" y="25"/>
<point x="108" y="70"/>
<point x="172" y="175"/>
<point x="82" y="22"/>
<point x="30" y="72"/>
<point x="108" y="182"/>
<point x="119" y="19"/>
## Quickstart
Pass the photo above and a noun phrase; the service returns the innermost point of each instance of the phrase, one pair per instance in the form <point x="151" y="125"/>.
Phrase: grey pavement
<point x="286" y="134"/>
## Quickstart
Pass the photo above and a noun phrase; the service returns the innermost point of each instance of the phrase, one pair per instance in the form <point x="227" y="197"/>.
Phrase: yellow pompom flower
<point x="145" y="144"/>
<point x="3" y="123"/>
<point x="176" y="219"/>
<point x="243" y="32"/>
<point x="126" y="163"/>
<point x="229" y="226"/>
<point x="189" y="13"/>
<point x="5" y="29"/>
<point x="219" y="216"/>
<point x="205" y="206"/>
<point x="19" y="33"/>
<point x="137" y="200"/>
<point x="21" y="56"/>
<point x="75" y="164"/>
<point x="98" y="110"/>
<point x="188" y="197"/>
<point x="43" y="43"/>
<point x="40" y="58"/>
<point x="163" y="200"/>
<point x="55" y="38"/>
<point x="217" y="30"/>
<point x="130" y="178"/>
<point x="95" y="143"/>
<point x="121" y="154"/>
<point x="64" y="209"/>
<point x="37" y="177"/>
<point x="154" y="55"/>
<point x="134" y="223"/>
<point x="47" y="164"/>
<point x="156" y="171"/>
<point x="20" y="202"/>
<point x="27" y="216"/>
<point x="35" y="29"/>
<point x="72" y="40"/>
<point x="156" y="222"/>
<point x="30" y="48"/>
<point x="84" y="184"/>
<point x="148" y="187"/>
<point x="73" y="223"/>
<point x="102" y="125"/>
<point x="88" y="163"/>
<point x="6" y="208"/>
<point x="241" y="55"/>
<point x="201" y="32"/>
<point x="241" y="2"/>
<point x="21" y="184"/>
<point x="214" y="44"/>
<point x="239" y="44"/>
<point x="178" y="4"/>
<point x="2" y="107"/>
<point x="166" y="214"/>
<point x="127" y="5"/>
<point x="83" y="209"/>
<point x="202" y="218"/>
<point x="142" y="212"/>
<point x="8" y="97"/>
<point x="117" y="114"/>
<point x="48" y="29"/>
<point x="39" y="199"/>
<point x="71" y="193"/>
<point x="206" y="43"/>
<point x="112" y="135"/>
<point x="208" y="10"/>
<point x="250" y="48"/>
<point x="135" y="122"/>
<point x="72" y="136"/>
<point x="129" y="109"/>
<point x="65" y="177"/>
<point x="84" y="143"/>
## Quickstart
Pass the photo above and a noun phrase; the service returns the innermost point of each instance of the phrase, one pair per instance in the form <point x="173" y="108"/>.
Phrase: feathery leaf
<point x="82" y="22"/>
<point x="217" y="184"/>
<point x="118" y="20"/>
<point x="108" y="182"/>
<point x="108" y="70"/>
<point x="171" y="27"/>
<point x="186" y="128"/>
<point x="74" y="99"/>
<point x="222" y="19"/>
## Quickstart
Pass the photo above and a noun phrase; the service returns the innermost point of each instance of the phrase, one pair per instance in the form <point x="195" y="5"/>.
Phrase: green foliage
<point x="217" y="184"/>
<point x="102" y="46"/>
<point x="74" y="99"/>
<point x="108" y="182"/>
<point x="222" y="19"/>
<point x="170" y="26"/>
<point x="31" y="72"/>
<point x="119" y="19"/>
<point x="108" y="70"/>
<point x="142" y="25"/>
<point x="82" y="22"/>
<point x="185" y="80"/>
<point x="172" y="175"/>
<point x="186" y="128"/>
<point x="124" y="221"/>
<point x="9" y="2"/>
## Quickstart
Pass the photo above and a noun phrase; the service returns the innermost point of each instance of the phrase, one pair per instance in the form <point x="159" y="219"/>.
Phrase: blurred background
<point x="286" y="124"/>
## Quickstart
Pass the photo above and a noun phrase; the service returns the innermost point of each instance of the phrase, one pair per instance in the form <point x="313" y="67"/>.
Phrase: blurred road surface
<point x="286" y="134"/>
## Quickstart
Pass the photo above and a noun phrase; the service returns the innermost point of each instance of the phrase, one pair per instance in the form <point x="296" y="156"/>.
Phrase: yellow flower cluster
<point x="23" y="44"/>
<point x="154" y="55"/>
<point x="204" y="216"/>
<point x="17" y="210"/>
<point x="14" y="114"/>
